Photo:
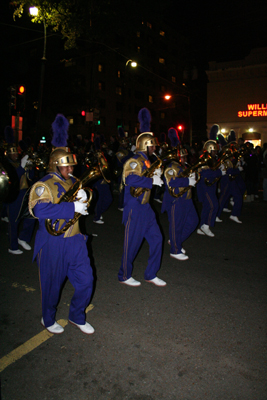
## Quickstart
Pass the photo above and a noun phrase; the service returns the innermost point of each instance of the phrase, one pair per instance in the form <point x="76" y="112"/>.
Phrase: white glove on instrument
<point x="81" y="195"/>
<point x="240" y="168"/>
<point x="192" y="181"/>
<point x="192" y="175"/>
<point x="80" y="208"/>
<point x="157" y="180"/>
<point x="158" y="172"/>
<point x="23" y="161"/>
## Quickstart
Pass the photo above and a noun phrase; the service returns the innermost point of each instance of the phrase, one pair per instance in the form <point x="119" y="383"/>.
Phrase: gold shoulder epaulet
<point x="132" y="166"/>
<point x="40" y="193"/>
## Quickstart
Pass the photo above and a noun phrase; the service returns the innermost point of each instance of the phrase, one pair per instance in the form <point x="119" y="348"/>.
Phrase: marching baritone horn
<point x="96" y="172"/>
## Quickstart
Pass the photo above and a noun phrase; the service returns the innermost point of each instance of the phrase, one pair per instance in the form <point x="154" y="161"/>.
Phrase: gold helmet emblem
<point x="61" y="157"/>
<point x="210" y="145"/>
<point x="145" y="140"/>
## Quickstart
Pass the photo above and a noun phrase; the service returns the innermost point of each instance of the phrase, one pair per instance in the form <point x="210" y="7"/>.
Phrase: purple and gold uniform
<point x="139" y="219"/>
<point x="182" y="215"/>
<point x="60" y="256"/>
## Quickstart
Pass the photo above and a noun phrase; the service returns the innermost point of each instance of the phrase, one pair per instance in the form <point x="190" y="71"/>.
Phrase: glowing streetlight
<point x="167" y="97"/>
<point x="132" y="63"/>
<point x="33" y="11"/>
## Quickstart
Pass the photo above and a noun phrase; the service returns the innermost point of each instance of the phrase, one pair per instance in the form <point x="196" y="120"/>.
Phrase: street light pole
<point x="34" y="12"/>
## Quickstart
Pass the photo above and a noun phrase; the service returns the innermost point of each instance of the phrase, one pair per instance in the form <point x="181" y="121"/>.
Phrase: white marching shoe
<point x="24" y="244"/>
<point x="131" y="282"/>
<point x="235" y="219"/>
<point x="180" y="256"/>
<point x="157" y="281"/>
<point x="99" y="221"/>
<point x="55" y="328"/>
<point x="206" y="230"/>
<point x="86" y="328"/>
<point x="15" y="251"/>
<point x="226" y="210"/>
<point x="218" y="219"/>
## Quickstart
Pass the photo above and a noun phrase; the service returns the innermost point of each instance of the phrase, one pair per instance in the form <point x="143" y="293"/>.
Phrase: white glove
<point x="158" y="172"/>
<point x="223" y="171"/>
<point x="80" y="208"/>
<point x="240" y="168"/>
<point x="157" y="180"/>
<point x="81" y="195"/>
<point x="192" y="181"/>
<point x="192" y="175"/>
<point x="23" y="161"/>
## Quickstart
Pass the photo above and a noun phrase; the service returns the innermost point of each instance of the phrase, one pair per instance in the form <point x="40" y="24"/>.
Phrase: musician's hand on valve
<point x="193" y="175"/>
<point x="81" y="196"/>
<point x="80" y="208"/>
<point x="157" y="180"/>
<point x="23" y="161"/>
<point x="158" y="172"/>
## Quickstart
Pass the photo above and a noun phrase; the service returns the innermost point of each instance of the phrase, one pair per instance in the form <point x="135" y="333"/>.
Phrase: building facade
<point x="237" y="96"/>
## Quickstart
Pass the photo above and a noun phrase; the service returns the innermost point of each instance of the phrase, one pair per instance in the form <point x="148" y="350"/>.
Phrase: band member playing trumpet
<point x="138" y="217"/>
<point x="63" y="255"/>
<point x="182" y="215"/>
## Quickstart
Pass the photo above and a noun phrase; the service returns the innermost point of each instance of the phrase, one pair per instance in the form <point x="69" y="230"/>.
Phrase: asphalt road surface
<point x="203" y="336"/>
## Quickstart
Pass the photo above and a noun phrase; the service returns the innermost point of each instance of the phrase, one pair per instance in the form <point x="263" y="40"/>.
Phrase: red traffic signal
<point x="180" y="127"/>
<point x="83" y="113"/>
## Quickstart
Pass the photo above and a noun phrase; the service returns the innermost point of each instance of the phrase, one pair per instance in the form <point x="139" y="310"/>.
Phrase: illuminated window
<point x="100" y="68"/>
<point x="162" y="33"/>
<point x="173" y="79"/>
<point x="138" y="49"/>
<point x="118" y="90"/>
<point x="101" y="86"/>
<point x="148" y="24"/>
<point x="138" y="34"/>
<point x="162" y="115"/>
<point x="161" y="60"/>
<point x="150" y="99"/>
<point x="119" y="74"/>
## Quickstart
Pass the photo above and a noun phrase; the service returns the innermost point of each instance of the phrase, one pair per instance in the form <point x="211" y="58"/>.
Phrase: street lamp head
<point x="167" y="97"/>
<point x="132" y="63"/>
<point x="33" y="11"/>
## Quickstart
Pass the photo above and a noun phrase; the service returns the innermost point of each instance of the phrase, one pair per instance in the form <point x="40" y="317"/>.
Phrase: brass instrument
<point x="99" y="170"/>
<point x="148" y="173"/>
<point x="227" y="153"/>
<point x="202" y="161"/>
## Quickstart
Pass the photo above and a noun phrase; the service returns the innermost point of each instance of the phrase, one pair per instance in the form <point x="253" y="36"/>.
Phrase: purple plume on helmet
<point x="221" y="140"/>
<point x="144" y="117"/>
<point x="174" y="137"/>
<point x="213" y="132"/>
<point x="9" y="135"/>
<point x="60" y="131"/>
<point x="231" y="136"/>
<point x="121" y="132"/>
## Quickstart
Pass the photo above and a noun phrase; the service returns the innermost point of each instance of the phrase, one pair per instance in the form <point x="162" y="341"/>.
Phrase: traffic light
<point x="98" y="122"/>
<point x="21" y="94"/>
<point x="83" y="113"/>
<point x="180" y="128"/>
<point x="12" y="98"/>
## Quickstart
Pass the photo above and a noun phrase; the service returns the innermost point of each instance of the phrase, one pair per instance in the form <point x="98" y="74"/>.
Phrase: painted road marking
<point x="31" y="344"/>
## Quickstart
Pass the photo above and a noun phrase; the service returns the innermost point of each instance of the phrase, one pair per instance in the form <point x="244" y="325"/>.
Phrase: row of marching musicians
<point x="59" y="199"/>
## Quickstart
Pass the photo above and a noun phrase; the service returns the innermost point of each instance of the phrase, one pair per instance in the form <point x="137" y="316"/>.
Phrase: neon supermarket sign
<point x="254" y="110"/>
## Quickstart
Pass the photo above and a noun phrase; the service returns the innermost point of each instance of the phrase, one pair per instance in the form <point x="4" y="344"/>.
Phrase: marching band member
<point x="24" y="174"/>
<point x="229" y="187"/>
<point x="138" y="217"/>
<point x="207" y="186"/>
<point x="66" y="255"/>
<point x="182" y="215"/>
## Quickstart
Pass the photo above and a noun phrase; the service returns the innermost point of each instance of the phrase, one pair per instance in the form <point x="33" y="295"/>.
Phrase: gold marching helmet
<point x="210" y="145"/>
<point x="61" y="155"/>
<point x="145" y="140"/>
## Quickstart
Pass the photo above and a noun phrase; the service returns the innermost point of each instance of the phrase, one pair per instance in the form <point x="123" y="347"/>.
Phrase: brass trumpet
<point x="203" y="160"/>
